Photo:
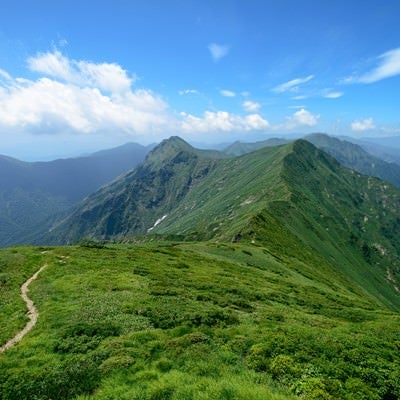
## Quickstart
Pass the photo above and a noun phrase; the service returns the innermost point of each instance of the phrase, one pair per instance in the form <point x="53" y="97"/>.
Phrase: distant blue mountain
<point x="32" y="191"/>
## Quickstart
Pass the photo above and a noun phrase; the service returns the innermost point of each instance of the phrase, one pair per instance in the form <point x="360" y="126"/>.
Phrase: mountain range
<point x="293" y="198"/>
<point x="30" y="192"/>
<point x="198" y="274"/>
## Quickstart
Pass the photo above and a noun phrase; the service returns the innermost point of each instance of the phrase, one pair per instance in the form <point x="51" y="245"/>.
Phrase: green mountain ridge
<point x="364" y="158"/>
<point x="292" y="198"/>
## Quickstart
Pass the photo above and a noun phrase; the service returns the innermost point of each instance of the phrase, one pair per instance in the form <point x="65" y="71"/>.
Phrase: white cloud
<point x="105" y="76"/>
<point x="363" y="125"/>
<point x="227" y="93"/>
<point x="5" y="75"/>
<point x="76" y="101"/>
<point x="301" y="118"/>
<point x="251" y="106"/>
<point x="81" y="97"/>
<point x="293" y="85"/>
<point x="52" y="64"/>
<point x="188" y="91"/>
<point x="108" y="77"/>
<point x="222" y="121"/>
<point x="297" y="107"/>
<point x="218" y="51"/>
<point x="300" y="97"/>
<point x="47" y="105"/>
<point x="389" y="66"/>
<point x="333" y="95"/>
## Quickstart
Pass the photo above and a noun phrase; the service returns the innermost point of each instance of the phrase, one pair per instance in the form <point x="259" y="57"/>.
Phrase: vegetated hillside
<point x="30" y="192"/>
<point x="294" y="198"/>
<point x="298" y="198"/>
<point x="355" y="157"/>
<point x="192" y="321"/>
<point x="365" y="158"/>
<point x="133" y="203"/>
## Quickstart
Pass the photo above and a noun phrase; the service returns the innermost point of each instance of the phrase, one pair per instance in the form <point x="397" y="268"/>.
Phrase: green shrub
<point x="116" y="362"/>
<point x="61" y="381"/>
<point x="257" y="358"/>
<point x="283" y="367"/>
<point x="161" y="392"/>
<point x="312" y="389"/>
<point x="164" y="365"/>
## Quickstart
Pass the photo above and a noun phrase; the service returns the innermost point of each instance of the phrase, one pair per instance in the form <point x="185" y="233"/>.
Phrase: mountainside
<point x="293" y="198"/>
<point x="355" y="157"/>
<point x="385" y="153"/>
<point x="362" y="157"/>
<point x="30" y="192"/>
<point x="133" y="203"/>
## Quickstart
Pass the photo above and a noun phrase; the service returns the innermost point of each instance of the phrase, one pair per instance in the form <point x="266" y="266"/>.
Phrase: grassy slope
<point x="299" y="201"/>
<point x="222" y="202"/>
<point x="194" y="321"/>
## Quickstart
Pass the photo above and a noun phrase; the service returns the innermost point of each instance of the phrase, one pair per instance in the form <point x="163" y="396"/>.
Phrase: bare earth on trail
<point x="32" y="312"/>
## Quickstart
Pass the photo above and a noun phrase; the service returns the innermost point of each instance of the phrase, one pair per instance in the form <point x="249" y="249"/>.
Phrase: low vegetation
<point x="192" y="321"/>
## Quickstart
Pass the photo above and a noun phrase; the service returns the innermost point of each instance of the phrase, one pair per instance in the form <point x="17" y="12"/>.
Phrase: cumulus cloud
<point x="104" y="76"/>
<point x="74" y="96"/>
<point x="301" y="118"/>
<point x="218" y="51"/>
<point x="363" y="125"/>
<point x="251" y="106"/>
<point x="47" y="105"/>
<point x="78" y="96"/>
<point x="227" y="93"/>
<point x="222" y="121"/>
<point x="293" y="85"/>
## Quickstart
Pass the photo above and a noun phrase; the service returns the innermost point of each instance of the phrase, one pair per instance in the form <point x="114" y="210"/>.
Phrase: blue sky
<point x="76" y="77"/>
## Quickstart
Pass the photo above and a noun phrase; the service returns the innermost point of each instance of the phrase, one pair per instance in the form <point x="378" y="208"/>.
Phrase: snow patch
<point x="157" y="222"/>
<point x="249" y="200"/>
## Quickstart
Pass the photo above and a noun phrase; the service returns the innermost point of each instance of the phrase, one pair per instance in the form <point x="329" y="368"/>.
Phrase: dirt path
<point x="32" y="312"/>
